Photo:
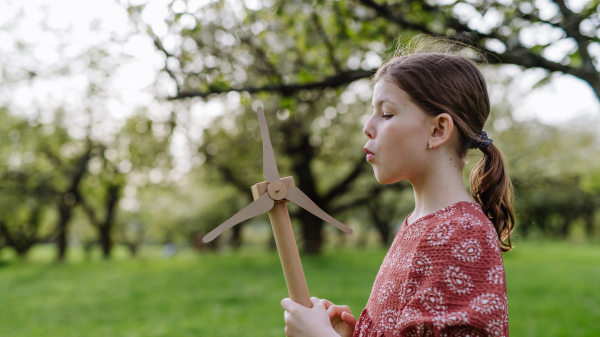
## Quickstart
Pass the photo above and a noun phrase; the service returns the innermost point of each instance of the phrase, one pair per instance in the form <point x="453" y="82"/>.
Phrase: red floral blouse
<point x="443" y="276"/>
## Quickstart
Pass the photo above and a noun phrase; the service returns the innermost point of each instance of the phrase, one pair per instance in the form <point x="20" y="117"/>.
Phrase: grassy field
<point x="553" y="290"/>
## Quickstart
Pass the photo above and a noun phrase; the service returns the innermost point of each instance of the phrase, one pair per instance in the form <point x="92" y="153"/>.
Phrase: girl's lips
<point x="370" y="154"/>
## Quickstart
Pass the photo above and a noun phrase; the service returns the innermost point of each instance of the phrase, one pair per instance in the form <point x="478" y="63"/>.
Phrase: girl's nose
<point x="368" y="129"/>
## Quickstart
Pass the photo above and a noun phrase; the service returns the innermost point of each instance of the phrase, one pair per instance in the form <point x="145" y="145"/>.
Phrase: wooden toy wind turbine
<point x="271" y="196"/>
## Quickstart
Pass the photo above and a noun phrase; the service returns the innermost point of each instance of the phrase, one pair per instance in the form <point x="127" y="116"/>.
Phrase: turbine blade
<point x="295" y="195"/>
<point x="259" y="206"/>
<point x="269" y="165"/>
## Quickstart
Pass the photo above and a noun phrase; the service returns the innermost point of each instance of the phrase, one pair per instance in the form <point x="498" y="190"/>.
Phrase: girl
<point x="443" y="274"/>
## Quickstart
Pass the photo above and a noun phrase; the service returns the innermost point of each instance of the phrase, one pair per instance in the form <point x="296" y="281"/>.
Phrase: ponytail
<point x="492" y="189"/>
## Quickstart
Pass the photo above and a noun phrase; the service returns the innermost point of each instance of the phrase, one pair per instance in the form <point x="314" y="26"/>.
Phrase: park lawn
<point x="553" y="290"/>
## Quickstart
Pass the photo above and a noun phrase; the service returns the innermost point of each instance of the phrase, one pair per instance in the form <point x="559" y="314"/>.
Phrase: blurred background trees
<point x="99" y="166"/>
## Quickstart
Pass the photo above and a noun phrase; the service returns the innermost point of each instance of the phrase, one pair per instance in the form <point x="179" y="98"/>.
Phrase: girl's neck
<point x="440" y="187"/>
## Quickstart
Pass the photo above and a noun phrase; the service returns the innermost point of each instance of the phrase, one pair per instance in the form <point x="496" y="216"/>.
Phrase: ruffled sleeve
<point x="460" y="289"/>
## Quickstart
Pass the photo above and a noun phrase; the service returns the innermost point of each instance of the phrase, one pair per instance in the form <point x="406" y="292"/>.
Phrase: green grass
<point x="553" y="290"/>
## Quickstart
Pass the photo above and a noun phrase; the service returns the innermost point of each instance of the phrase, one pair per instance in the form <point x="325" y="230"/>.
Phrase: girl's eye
<point x="387" y="116"/>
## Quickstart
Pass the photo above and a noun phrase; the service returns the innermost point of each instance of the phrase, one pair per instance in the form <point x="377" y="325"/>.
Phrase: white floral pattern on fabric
<point x="494" y="328"/>
<point x="451" y="319"/>
<point x="408" y="290"/>
<point x="440" y="234"/>
<point x="408" y="316"/>
<point x="445" y="212"/>
<point x="459" y="282"/>
<point x="414" y="231"/>
<point x="404" y="261"/>
<point x="390" y="261"/>
<point x="389" y="319"/>
<point x="433" y="300"/>
<point x="468" y="220"/>
<point x="492" y="239"/>
<point x="487" y="303"/>
<point x="468" y="250"/>
<point x="386" y="290"/>
<point x="365" y="328"/>
<point x="496" y="275"/>
<point x="421" y="263"/>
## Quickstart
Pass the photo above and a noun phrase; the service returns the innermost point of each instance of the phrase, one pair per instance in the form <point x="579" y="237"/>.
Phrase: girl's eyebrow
<point x="382" y="101"/>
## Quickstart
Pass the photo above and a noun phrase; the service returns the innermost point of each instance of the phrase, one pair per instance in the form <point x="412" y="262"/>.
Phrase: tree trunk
<point x="524" y="224"/>
<point x="564" y="228"/>
<point x="384" y="231"/>
<point x="589" y="225"/>
<point x="133" y="249"/>
<point x="66" y="203"/>
<point x="21" y="241"/>
<point x="64" y="217"/>
<point x="236" y="240"/>
<point x="106" y="228"/>
<point x="311" y="232"/>
<point x="105" y="241"/>
<point x="199" y="245"/>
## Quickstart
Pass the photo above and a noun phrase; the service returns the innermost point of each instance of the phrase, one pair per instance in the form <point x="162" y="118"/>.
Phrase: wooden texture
<point x="295" y="195"/>
<point x="286" y="244"/>
<point x="257" y="207"/>
<point x="288" y="254"/>
<point x="261" y="188"/>
<point x="269" y="165"/>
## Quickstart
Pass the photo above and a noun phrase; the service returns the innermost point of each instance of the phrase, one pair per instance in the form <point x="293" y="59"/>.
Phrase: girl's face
<point x="398" y="134"/>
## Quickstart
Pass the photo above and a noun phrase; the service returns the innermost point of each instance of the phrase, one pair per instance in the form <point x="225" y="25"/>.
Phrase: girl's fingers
<point x="345" y="308"/>
<point x="349" y="319"/>
<point x="289" y="305"/>
<point x="315" y="301"/>
<point x="326" y="303"/>
<point x="337" y="310"/>
<point x="331" y="312"/>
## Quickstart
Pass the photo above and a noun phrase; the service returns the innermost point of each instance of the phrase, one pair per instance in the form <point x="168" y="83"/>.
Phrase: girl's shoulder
<point x="464" y="213"/>
<point x="445" y="219"/>
<point x="463" y="223"/>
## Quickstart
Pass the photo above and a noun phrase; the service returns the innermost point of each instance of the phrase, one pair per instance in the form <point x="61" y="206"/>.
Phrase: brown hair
<point x="440" y="77"/>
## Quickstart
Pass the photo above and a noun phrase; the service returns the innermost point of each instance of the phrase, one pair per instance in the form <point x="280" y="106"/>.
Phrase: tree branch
<point x="359" y="201"/>
<point x="231" y="178"/>
<point x="517" y="55"/>
<point x="386" y="12"/>
<point x="343" y="185"/>
<point x="286" y="90"/>
<point x="570" y="24"/>
<point x="327" y="42"/>
<point x="89" y="210"/>
<point x="271" y="68"/>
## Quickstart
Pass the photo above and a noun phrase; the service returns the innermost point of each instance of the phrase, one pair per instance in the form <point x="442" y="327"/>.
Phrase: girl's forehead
<point x="386" y="91"/>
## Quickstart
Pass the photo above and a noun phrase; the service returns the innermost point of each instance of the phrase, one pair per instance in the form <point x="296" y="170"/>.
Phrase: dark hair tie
<point x="482" y="142"/>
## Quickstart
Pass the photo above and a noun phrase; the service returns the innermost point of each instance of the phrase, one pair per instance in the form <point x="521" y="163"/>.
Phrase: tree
<point x="68" y="135"/>
<point x="299" y="57"/>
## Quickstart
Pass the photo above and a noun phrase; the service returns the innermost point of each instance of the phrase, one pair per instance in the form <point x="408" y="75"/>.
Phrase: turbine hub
<point x="277" y="190"/>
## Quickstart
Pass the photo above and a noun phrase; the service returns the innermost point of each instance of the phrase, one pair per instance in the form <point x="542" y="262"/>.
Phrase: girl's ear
<point x="442" y="127"/>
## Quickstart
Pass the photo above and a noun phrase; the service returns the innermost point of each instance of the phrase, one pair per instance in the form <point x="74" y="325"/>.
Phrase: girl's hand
<point x="342" y="320"/>
<point x="301" y="321"/>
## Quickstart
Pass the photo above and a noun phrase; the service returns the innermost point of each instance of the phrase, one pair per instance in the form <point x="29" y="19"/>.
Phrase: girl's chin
<point x="385" y="179"/>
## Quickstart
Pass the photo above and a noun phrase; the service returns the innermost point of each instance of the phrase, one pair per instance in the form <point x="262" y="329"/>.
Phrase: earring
<point x="430" y="146"/>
